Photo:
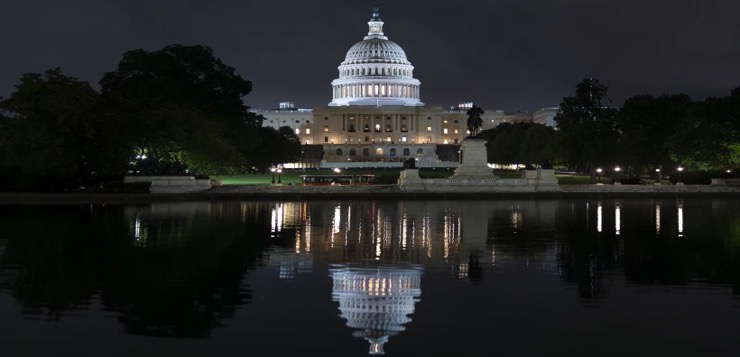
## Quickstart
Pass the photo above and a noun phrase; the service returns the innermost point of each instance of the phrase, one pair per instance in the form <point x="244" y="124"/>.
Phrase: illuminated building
<point x="376" y="301"/>
<point x="376" y="113"/>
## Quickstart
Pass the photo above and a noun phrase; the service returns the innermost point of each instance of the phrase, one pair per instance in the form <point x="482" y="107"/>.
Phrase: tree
<point x="709" y="137"/>
<point x="474" y="120"/>
<point x="277" y="147"/>
<point x="182" y="106"/>
<point x="53" y="141"/>
<point x="587" y="123"/>
<point x="646" y="124"/>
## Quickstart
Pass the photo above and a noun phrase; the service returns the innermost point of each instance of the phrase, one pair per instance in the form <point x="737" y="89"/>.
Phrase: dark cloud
<point x="507" y="54"/>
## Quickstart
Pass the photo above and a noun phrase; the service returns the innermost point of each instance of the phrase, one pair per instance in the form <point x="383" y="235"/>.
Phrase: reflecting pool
<point x="610" y="277"/>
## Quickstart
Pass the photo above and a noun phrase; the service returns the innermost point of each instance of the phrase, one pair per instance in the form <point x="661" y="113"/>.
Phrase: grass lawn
<point x="386" y="175"/>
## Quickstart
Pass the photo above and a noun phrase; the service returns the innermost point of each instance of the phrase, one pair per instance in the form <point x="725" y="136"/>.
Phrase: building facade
<point x="376" y="113"/>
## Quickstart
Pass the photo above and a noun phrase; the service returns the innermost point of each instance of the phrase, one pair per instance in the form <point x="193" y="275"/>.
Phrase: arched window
<point x="379" y="151"/>
<point x="377" y="127"/>
<point x="365" y="152"/>
<point x="388" y="128"/>
<point x="393" y="152"/>
<point x="419" y="151"/>
<point x="339" y="152"/>
<point x="352" y="152"/>
<point x="406" y="152"/>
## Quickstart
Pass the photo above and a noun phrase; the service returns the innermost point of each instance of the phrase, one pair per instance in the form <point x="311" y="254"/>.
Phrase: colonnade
<point x="376" y="90"/>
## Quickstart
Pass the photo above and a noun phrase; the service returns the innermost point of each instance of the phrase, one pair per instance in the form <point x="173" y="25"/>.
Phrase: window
<point x="403" y="128"/>
<point x="445" y="131"/>
<point x="429" y="118"/>
<point x="326" y="118"/>
<point x="388" y="128"/>
<point x="365" y="152"/>
<point x="393" y="152"/>
<point x="429" y="128"/>
<point x="419" y="151"/>
<point x="297" y="131"/>
<point x="326" y="128"/>
<point x="352" y="152"/>
<point x="379" y="151"/>
<point x="352" y="128"/>
<point x="297" y="121"/>
<point x="308" y="130"/>
<point x="326" y="139"/>
<point x="388" y="139"/>
<point x="367" y="128"/>
<point x="339" y="152"/>
<point x="377" y="127"/>
<point x="455" y="120"/>
<point x="406" y="152"/>
<point x="367" y="138"/>
<point x="457" y="131"/>
<point x="403" y="139"/>
<point x="445" y="121"/>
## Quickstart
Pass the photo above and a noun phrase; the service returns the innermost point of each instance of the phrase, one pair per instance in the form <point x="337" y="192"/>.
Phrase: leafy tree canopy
<point x="52" y="142"/>
<point x="587" y="123"/>
<point x="182" y="105"/>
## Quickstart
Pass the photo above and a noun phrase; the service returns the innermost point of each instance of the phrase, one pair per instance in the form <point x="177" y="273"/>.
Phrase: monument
<point x="474" y="175"/>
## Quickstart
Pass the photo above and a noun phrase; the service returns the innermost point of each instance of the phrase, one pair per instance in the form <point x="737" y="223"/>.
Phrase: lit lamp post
<point x="273" y="169"/>
<point x="279" y="171"/>
<point x="657" y="174"/>
<point x="598" y="172"/>
<point x="680" y="169"/>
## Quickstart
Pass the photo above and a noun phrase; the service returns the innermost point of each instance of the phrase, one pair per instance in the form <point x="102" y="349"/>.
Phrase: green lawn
<point x="386" y="175"/>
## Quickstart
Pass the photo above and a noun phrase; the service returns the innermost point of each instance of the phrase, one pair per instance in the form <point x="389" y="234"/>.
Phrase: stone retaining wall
<point x="172" y="184"/>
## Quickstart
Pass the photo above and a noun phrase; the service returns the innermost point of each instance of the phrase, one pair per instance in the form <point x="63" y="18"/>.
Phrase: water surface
<point x="608" y="277"/>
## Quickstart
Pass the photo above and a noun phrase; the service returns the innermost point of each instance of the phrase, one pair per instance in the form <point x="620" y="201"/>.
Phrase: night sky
<point x="502" y="54"/>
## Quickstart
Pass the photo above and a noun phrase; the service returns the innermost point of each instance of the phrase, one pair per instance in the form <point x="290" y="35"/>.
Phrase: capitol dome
<point x="376" y="72"/>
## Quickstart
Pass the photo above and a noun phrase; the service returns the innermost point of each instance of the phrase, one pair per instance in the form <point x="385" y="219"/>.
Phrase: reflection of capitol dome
<point x="376" y="72"/>
<point x="376" y="301"/>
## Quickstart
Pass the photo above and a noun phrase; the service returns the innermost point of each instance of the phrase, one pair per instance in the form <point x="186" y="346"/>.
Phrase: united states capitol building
<point x="376" y="113"/>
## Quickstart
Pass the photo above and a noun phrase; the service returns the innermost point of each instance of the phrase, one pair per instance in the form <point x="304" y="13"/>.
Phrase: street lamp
<point x="657" y="174"/>
<point x="273" y="169"/>
<point x="599" y="171"/>
<point x="279" y="171"/>
<point x="680" y="169"/>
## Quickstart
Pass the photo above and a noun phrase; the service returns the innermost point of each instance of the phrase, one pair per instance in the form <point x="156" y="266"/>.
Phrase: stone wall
<point x="172" y="184"/>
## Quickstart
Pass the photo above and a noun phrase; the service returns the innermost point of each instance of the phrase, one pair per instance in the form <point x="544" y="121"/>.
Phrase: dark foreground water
<point x="348" y="278"/>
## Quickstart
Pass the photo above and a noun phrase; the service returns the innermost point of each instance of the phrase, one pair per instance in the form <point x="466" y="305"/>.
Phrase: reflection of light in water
<point x="598" y="217"/>
<point x="680" y="219"/>
<point x="463" y="273"/>
<point x="337" y="219"/>
<point x="137" y="228"/>
<point x="404" y="227"/>
<point x="657" y="218"/>
<point x="140" y="233"/>
<point x="348" y="226"/>
<point x="376" y="302"/>
<point x="446" y="238"/>
<point x="335" y="222"/>
<point x="276" y="219"/>
<point x="425" y="229"/>
<point x="516" y="217"/>
<point x="287" y="262"/>
<point x="307" y="229"/>
<point x="617" y="219"/>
